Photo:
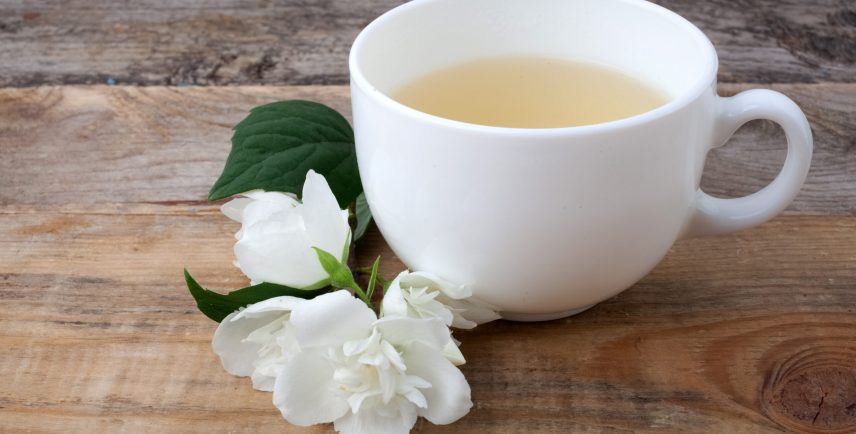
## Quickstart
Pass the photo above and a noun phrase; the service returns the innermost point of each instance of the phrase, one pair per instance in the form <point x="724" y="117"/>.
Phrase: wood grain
<point x="99" y="335"/>
<point x="116" y="145"/>
<point x="102" y="204"/>
<point x="169" y="42"/>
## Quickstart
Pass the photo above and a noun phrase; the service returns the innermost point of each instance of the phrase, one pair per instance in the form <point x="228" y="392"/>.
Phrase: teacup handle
<point x="713" y="215"/>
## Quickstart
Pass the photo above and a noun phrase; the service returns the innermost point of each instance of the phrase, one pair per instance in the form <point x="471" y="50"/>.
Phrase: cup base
<point x="536" y="317"/>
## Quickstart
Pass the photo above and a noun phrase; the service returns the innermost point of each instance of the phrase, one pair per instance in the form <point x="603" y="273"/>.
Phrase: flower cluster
<point x="331" y="358"/>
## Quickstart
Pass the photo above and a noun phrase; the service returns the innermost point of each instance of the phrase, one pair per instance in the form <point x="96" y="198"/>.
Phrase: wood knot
<point x="813" y="391"/>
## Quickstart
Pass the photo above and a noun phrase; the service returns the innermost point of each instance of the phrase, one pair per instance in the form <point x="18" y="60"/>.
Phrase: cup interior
<point x="639" y="38"/>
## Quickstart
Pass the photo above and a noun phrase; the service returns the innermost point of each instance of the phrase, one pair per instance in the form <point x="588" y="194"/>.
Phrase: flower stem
<point x="361" y="294"/>
<point x="367" y="271"/>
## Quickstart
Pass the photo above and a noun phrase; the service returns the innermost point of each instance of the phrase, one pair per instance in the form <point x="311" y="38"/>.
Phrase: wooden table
<point x="114" y="122"/>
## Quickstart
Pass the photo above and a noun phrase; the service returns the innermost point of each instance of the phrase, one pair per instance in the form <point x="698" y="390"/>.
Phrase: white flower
<point x="367" y="375"/>
<point x="257" y="341"/>
<point x="278" y="232"/>
<point x="424" y="295"/>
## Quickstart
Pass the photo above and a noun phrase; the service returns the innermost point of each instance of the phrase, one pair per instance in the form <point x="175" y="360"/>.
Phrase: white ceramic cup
<point x="544" y="223"/>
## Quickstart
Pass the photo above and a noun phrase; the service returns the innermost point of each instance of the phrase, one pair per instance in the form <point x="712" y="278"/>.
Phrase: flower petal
<point x="285" y="258"/>
<point x="265" y="204"/>
<point x="472" y="313"/>
<point x="262" y="382"/>
<point x="281" y="304"/>
<point x="331" y="319"/>
<point x="453" y="353"/>
<point x="449" y="395"/>
<point x="393" y="303"/>
<point x="234" y="209"/>
<point x="275" y="197"/>
<point x="237" y="356"/>
<point x="403" y="331"/>
<point x="305" y="393"/>
<point x="326" y="224"/>
<point x="423" y="279"/>
<point x="372" y="422"/>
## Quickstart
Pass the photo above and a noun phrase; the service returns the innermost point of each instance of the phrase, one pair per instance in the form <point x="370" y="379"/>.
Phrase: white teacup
<point x="544" y="223"/>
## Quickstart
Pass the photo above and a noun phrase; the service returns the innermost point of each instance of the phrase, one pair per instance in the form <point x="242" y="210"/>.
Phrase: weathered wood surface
<point x="102" y="204"/>
<point x="751" y="332"/>
<point x="64" y="146"/>
<point x="169" y="42"/>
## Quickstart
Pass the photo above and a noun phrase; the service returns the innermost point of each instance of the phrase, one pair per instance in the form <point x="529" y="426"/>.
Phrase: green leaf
<point x="364" y="216"/>
<point x="373" y="278"/>
<point x="340" y="274"/>
<point x="346" y="251"/>
<point x="218" y="306"/>
<point x="277" y="143"/>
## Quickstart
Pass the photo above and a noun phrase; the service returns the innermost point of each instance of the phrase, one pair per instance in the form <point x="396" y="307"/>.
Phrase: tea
<point x="530" y="92"/>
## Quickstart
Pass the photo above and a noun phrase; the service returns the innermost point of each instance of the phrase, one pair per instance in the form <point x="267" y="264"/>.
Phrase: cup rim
<point x="701" y="85"/>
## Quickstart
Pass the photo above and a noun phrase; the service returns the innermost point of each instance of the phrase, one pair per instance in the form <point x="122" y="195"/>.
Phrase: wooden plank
<point x="766" y="41"/>
<point x="110" y="146"/>
<point x="738" y="333"/>
<point x="168" y="42"/>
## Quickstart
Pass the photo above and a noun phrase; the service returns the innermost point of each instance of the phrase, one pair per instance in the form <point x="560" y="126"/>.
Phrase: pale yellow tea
<point x="530" y="92"/>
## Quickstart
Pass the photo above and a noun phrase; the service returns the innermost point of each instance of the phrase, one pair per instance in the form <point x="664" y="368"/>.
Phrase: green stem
<point x="367" y="271"/>
<point x="360" y="293"/>
<point x="355" y="288"/>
